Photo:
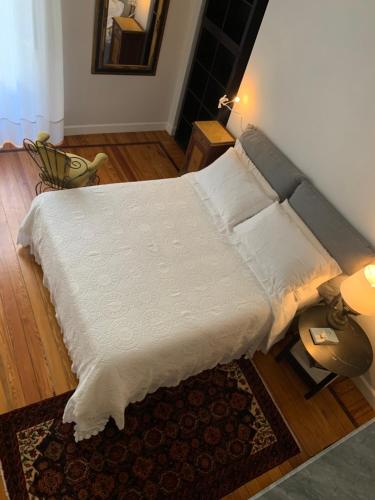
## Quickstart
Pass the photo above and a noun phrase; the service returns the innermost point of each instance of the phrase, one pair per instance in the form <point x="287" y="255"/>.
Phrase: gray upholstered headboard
<point x="349" y="248"/>
<point x="346" y="245"/>
<point x="279" y="171"/>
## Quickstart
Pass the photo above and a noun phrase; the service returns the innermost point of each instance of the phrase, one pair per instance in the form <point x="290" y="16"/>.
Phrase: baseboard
<point x="108" y="128"/>
<point x="367" y="391"/>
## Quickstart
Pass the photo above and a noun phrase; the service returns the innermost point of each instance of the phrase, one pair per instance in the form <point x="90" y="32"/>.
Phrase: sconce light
<point x="225" y="102"/>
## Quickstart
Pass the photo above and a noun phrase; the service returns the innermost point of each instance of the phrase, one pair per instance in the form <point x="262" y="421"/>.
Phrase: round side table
<point x="351" y="357"/>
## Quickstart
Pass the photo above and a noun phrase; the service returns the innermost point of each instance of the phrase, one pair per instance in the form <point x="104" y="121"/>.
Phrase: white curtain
<point x="31" y="70"/>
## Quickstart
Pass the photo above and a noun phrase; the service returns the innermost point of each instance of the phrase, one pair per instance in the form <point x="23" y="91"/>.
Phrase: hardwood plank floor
<point x="34" y="363"/>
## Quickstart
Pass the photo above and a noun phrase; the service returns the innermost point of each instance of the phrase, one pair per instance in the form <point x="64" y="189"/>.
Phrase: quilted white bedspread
<point x="146" y="288"/>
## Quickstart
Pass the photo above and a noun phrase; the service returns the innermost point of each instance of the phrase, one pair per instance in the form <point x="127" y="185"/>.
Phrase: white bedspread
<point x="147" y="291"/>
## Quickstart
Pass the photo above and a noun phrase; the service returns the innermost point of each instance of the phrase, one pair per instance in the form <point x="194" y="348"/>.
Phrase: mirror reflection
<point x="127" y="25"/>
<point x="128" y="33"/>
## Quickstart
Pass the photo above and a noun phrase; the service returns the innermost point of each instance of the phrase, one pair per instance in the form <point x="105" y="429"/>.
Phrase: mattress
<point x="147" y="289"/>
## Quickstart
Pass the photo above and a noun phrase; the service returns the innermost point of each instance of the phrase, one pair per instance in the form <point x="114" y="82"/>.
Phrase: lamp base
<point x="337" y="319"/>
<point x="337" y="315"/>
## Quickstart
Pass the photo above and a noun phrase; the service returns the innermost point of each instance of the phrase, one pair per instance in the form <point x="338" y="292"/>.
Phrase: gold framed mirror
<point x="128" y="36"/>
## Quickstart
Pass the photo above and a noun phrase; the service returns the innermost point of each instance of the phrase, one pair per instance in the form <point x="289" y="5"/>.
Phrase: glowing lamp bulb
<point x="237" y="99"/>
<point x="370" y="274"/>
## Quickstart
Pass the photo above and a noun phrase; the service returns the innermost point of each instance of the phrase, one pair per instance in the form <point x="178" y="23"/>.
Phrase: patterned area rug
<point x="200" y="440"/>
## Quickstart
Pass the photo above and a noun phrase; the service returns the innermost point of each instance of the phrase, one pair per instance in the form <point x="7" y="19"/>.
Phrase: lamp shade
<point x="358" y="291"/>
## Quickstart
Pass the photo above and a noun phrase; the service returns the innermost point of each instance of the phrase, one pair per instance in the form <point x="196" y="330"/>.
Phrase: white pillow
<point x="259" y="177"/>
<point x="330" y="289"/>
<point x="282" y="255"/>
<point x="233" y="189"/>
<point x="306" y="294"/>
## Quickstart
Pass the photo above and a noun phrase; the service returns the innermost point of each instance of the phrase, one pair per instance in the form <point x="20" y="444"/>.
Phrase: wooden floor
<point x="34" y="364"/>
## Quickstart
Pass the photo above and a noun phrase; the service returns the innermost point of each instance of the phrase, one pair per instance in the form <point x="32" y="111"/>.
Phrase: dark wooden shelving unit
<point x="228" y="32"/>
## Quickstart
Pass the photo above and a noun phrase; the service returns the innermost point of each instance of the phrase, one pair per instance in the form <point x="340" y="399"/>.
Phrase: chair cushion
<point x="65" y="170"/>
<point x="79" y="171"/>
<point x="55" y="163"/>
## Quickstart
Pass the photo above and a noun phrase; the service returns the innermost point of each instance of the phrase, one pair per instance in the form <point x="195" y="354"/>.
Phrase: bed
<point x="150" y="284"/>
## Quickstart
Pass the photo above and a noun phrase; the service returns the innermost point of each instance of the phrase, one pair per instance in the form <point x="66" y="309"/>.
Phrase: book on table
<point x="324" y="336"/>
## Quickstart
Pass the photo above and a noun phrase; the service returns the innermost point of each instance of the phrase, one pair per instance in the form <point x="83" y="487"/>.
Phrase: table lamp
<point x="357" y="296"/>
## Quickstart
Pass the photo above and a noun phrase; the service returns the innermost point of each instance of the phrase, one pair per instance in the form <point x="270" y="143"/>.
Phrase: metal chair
<point x="60" y="170"/>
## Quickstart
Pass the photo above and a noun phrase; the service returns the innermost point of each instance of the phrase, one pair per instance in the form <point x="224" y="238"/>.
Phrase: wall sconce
<point x="225" y="102"/>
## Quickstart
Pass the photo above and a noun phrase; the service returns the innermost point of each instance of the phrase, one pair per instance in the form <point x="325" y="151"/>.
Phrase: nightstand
<point x="321" y="364"/>
<point x="128" y="40"/>
<point x="208" y="141"/>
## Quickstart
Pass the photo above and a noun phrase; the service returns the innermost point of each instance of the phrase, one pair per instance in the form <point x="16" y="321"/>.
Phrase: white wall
<point x="143" y="12"/>
<point x="310" y="85"/>
<point x="187" y="56"/>
<point x="110" y="103"/>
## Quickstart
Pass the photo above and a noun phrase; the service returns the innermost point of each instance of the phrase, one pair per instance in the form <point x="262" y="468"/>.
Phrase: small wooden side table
<point x="128" y="39"/>
<point x="208" y="141"/>
<point x="321" y="364"/>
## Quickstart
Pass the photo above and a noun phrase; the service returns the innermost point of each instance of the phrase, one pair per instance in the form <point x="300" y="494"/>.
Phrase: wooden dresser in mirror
<point x="128" y="36"/>
<point x="128" y="41"/>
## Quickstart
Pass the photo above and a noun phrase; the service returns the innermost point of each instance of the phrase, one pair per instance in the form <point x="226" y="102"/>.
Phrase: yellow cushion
<point x="55" y="163"/>
<point x="79" y="171"/>
<point x="65" y="169"/>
